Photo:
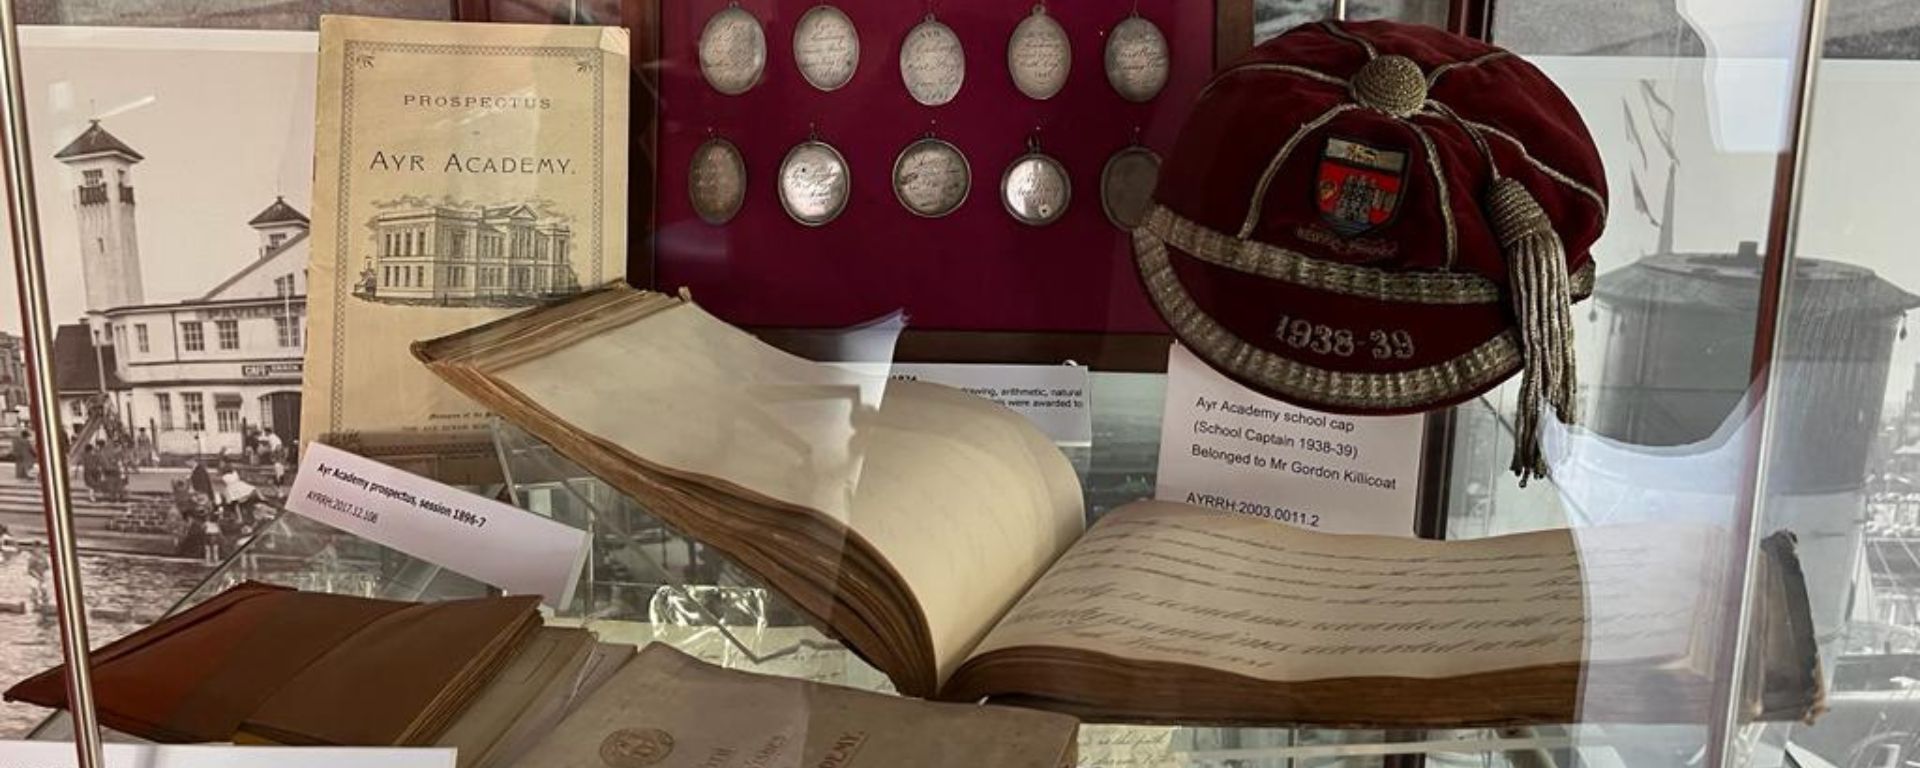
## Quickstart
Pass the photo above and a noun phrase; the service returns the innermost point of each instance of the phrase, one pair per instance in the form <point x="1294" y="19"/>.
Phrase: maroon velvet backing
<point x="977" y="269"/>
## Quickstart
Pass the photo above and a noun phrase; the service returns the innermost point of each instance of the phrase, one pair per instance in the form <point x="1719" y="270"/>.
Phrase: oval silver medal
<point x="814" y="184"/>
<point x="733" y="51"/>
<point x="1039" y="56"/>
<point x="932" y="63"/>
<point x="826" y="47"/>
<point x="931" y="178"/>
<point x="717" y="181"/>
<point x="1138" y="60"/>
<point x="1126" y="186"/>
<point x="1036" y="190"/>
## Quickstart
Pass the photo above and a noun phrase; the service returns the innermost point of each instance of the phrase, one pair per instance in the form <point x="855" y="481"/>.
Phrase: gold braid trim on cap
<point x="1433" y="78"/>
<point x="1444" y="196"/>
<point x="1336" y="31"/>
<point x="1284" y="69"/>
<point x="1259" y="204"/>
<point x="1271" y="261"/>
<point x="1542" y="304"/>
<point x="1590" y="193"/>
<point x="1477" y="369"/>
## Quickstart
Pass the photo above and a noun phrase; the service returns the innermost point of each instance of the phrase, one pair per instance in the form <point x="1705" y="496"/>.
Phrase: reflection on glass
<point x="1272" y="17"/>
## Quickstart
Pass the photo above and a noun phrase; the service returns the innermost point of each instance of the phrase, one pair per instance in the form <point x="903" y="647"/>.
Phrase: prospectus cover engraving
<point x="462" y="171"/>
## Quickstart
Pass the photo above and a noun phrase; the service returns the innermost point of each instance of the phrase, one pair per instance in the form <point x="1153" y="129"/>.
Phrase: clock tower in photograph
<point x="103" y="204"/>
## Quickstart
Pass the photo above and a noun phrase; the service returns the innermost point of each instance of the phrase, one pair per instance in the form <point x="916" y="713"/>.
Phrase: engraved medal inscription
<point x="1035" y="190"/>
<point x="813" y="183"/>
<point x="1138" y="60"/>
<point x="1126" y="186"/>
<point x="826" y="47"/>
<point x="932" y="63"/>
<point x="932" y="178"/>
<point x="1038" y="55"/>
<point x="733" y="51"/>
<point x="717" y="181"/>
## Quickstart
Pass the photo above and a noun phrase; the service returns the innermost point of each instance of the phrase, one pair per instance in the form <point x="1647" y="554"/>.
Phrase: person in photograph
<point x="124" y="452"/>
<point x="241" y="495"/>
<point x="210" y="538"/>
<point x="143" y="448"/>
<point x="249" y="444"/>
<point x="201" y="480"/>
<point x="92" y="467"/>
<point x="221" y="469"/>
<point x="113" y="471"/>
<point x="22" y="445"/>
<point x="276" y="453"/>
<point x="38" y="569"/>
<point x="243" y="500"/>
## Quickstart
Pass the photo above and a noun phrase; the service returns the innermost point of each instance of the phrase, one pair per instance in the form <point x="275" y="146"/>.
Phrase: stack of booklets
<point x="260" y="664"/>
<point x="265" y="665"/>
<point x="943" y="538"/>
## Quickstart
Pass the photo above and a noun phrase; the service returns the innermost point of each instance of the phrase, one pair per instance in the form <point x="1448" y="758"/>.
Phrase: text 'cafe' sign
<point x="245" y="312"/>
<point x="269" y="370"/>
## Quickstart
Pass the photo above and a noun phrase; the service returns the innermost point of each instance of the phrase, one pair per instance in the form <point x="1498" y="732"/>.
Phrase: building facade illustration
<point x="460" y="255"/>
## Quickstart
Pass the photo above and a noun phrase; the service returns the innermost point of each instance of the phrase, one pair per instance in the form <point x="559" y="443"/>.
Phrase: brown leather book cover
<point x="401" y="679"/>
<point x="257" y="649"/>
<point x="196" y="675"/>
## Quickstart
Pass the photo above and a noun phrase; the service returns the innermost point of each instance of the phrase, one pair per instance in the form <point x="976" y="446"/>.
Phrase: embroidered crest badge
<point x="1359" y="185"/>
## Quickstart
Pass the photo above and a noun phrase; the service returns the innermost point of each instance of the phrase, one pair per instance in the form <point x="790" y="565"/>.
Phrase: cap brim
<point x="1324" y="335"/>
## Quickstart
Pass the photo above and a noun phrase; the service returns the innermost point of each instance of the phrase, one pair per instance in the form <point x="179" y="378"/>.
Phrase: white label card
<point x="1227" y="447"/>
<point x="60" y="754"/>
<point x="1054" y="397"/>
<point x="497" y="543"/>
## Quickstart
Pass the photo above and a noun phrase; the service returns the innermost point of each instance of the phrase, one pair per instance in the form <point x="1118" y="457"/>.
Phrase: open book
<point x="943" y="538"/>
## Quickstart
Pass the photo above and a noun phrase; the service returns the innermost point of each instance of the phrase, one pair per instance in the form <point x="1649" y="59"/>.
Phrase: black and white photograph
<point x="173" y="175"/>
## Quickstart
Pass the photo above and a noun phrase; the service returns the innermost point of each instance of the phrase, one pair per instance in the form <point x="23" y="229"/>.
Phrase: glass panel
<point x="1690" y="135"/>
<point x="1271" y="17"/>
<point x="1686" y="107"/>
<point x="1847" y="419"/>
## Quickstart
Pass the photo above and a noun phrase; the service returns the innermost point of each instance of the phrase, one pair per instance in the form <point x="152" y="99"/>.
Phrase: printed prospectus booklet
<point x="462" y="171"/>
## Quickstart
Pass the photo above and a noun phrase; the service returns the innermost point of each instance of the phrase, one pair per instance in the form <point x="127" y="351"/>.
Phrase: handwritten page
<point x="1156" y="581"/>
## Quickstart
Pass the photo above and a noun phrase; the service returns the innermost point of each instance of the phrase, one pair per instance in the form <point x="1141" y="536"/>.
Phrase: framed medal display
<point x="972" y="165"/>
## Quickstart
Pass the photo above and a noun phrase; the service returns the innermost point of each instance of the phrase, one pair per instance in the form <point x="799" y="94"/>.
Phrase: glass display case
<point x="1742" y="447"/>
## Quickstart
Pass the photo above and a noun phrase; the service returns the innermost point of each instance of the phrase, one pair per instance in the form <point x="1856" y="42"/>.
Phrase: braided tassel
<point x="1542" y="303"/>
